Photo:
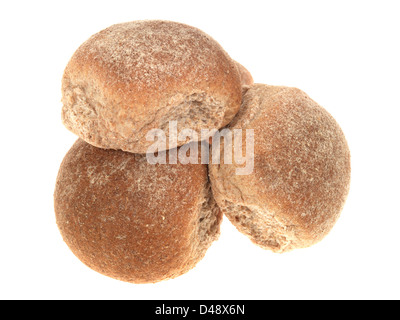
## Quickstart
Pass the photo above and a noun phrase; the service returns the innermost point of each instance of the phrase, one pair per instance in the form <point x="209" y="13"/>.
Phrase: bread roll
<point x="245" y="76"/>
<point x="301" y="172"/>
<point x="137" y="76"/>
<point x="131" y="220"/>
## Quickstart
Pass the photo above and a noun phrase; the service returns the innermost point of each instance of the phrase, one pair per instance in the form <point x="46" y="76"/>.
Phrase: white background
<point x="344" y="54"/>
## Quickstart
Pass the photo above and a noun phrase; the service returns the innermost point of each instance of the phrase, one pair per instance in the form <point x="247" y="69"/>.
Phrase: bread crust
<point x="301" y="171"/>
<point x="245" y="76"/>
<point x="137" y="76"/>
<point x="133" y="221"/>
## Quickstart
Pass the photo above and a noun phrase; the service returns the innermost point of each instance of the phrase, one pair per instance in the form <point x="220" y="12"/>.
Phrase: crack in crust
<point x="262" y="227"/>
<point x="83" y="110"/>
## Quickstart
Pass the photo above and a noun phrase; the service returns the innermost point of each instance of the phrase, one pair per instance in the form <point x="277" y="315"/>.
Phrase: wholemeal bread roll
<point x="245" y="76"/>
<point x="131" y="220"/>
<point x="137" y="76"/>
<point x="301" y="172"/>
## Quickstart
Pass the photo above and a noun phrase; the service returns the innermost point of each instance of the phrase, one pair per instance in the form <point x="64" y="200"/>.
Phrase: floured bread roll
<point x="137" y="76"/>
<point x="245" y="76"/>
<point x="131" y="220"/>
<point x="301" y="172"/>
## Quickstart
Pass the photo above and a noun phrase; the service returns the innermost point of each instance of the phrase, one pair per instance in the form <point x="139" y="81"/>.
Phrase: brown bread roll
<point x="131" y="220"/>
<point x="137" y="76"/>
<point x="301" y="172"/>
<point x="245" y="76"/>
